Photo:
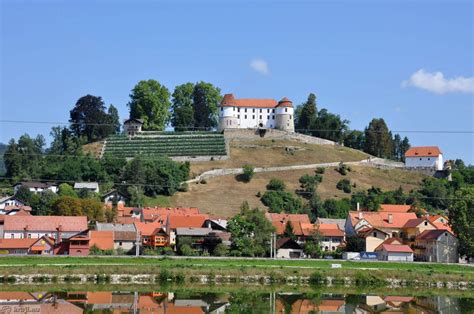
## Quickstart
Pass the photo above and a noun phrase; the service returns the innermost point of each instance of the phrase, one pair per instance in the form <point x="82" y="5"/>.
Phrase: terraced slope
<point x="172" y="145"/>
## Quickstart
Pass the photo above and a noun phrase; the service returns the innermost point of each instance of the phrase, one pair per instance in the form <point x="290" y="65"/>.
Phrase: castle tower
<point x="285" y="115"/>
<point x="227" y="113"/>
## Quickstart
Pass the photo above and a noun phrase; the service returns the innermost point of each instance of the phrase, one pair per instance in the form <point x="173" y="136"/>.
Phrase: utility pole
<point x="271" y="245"/>
<point x="137" y="244"/>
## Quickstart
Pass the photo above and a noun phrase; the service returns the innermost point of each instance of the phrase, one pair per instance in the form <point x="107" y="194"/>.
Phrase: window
<point x="286" y="109"/>
<point x="29" y="235"/>
<point x="429" y="158"/>
<point x="268" y="110"/>
<point x="290" y="116"/>
<point x="273" y="117"/>
<point x="120" y="243"/>
<point x="253" y="116"/>
<point x="238" y="116"/>
<point x="245" y="117"/>
<point x="273" y="110"/>
<point x="12" y="236"/>
<point x="238" y="109"/>
<point x="260" y="117"/>
<point x="222" y="108"/>
<point x="420" y="158"/>
<point x="375" y="234"/>
<point x="253" y="110"/>
<point x="426" y="223"/>
<point x="233" y="108"/>
<point x="260" y="110"/>
<point x="268" y="117"/>
<point x="245" y="110"/>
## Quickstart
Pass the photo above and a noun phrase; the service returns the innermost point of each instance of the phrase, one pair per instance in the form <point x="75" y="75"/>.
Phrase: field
<point x="222" y="196"/>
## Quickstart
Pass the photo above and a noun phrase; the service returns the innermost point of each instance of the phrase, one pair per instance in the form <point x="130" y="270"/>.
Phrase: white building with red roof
<point x="252" y="113"/>
<point x="424" y="157"/>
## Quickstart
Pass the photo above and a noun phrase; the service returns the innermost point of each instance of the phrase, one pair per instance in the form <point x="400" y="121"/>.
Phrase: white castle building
<point x="247" y="113"/>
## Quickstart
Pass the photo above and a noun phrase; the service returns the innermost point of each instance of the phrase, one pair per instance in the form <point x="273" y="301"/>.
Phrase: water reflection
<point x="236" y="302"/>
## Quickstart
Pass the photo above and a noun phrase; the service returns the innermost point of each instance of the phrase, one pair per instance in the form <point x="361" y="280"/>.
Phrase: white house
<point x="10" y="201"/>
<point x="288" y="248"/>
<point x="37" y="187"/>
<point x="252" y="113"/>
<point x="132" y="126"/>
<point x="89" y="186"/>
<point x="114" y="196"/>
<point x="394" y="253"/>
<point x="424" y="157"/>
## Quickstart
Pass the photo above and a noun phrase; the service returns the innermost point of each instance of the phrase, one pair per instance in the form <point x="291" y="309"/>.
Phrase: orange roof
<point x="380" y="219"/>
<point x="279" y="221"/>
<point x="396" y="248"/>
<point x="127" y="220"/>
<point x="17" y="243"/>
<point x="148" y="228"/>
<point x="413" y="223"/>
<point x="45" y="223"/>
<point x="99" y="297"/>
<point x="330" y="230"/>
<point x="230" y="101"/>
<point x="185" y="221"/>
<point x="423" y="151"/>
<point x="16" y="295"/>
<point x="103" y="240"/>
<point x="395" y="208"/>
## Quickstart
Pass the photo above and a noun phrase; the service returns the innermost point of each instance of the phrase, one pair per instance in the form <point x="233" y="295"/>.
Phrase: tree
<point x="344" y="185"/>
<point x="276" y="185"/>
<point x="308" y="115"/>
<point x="66" y="190"/>
<point x="24" y="159"/>
<point x="289" y="232"/>
<point x="206" y="99"/>
<point x="114" y="119"/>
<point x="64" y="142"/>
<point x="182" y="118"/>
<point x="250" y="232"/>
<point x="89" y="119"/>
<point x="404" y="146"/>
<point x="355" y="139"/>
<point x="329" y="126"/>
<point x="355" y="244"/>
<point x="150" y="102"/>
<point x="308" y="184"/>
<point x="248" y="173"/>
<point x="378" y="141"/>
<point x="67" y="206"/>
<point x="137" y="198"/>
<point x="461" y="219"/>
<point x="24" y="194"/>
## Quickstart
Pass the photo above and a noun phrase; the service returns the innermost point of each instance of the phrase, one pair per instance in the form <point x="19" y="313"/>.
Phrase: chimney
<point x="390" y="218"/>
<point x="358" y="206"/>
<point x="59" y="235"/>
<point x="25" y="232"/>
<point x="361" y="215"/>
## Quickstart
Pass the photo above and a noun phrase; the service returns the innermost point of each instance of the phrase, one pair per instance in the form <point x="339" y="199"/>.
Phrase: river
<point x="241" y="300"/>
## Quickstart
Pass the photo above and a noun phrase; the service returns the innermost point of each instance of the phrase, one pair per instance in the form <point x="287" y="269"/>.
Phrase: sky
<point x="409" y="62"/>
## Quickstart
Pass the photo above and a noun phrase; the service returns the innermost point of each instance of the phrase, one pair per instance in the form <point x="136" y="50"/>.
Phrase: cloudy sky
<point x="410" y="62"/>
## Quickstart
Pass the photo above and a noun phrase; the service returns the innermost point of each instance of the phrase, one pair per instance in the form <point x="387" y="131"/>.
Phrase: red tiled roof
<point x="431" y="234"/>
<point x="182" y="221"/>
<point x="413" y="223"/>
<point x="103" y="240"/>
<point x="127" y="220"/>
<point x="380" y="219"/>
<point x="45" y="223"/>
<point x="279" y="221"/>
<point x="20" y="207"/>
<point x="397" y="248"/>
<point x="148" y="229"/>
<point x="423" y="151"/>
<point x="25" y="243"/>
<point x="230" y="101"/>
<point x="330" y="230"/>
<point x="395" y="208"/>
<point x="390" y="241"/>
<point x="155" y="213"/>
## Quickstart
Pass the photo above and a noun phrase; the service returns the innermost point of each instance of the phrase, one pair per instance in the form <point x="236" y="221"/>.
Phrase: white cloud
<point x="260" y="66"/>
<point x="436" y="82"/>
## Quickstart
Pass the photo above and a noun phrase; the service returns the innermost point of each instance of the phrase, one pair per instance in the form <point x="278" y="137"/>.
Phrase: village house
<point x="36" y="187"/>
<point x="288" y="248"/>
<point x="114" y="197"/>
<point x="245" y="113"/>
<point x="394" y="252"/>
<point x="36" y="246"/>
<point x="153" y="234"/>
<point x="102" y="240"/>
<point x="124" y="235"/>
<point x="183" y="221"/>
<point x="439" y="246"/>
<point x="132" y="126"/>
<point x="10" y="201"/>
<point x="150" y="214"/>
<point x="331" y="237"/>
<point x="57" y="227"/>
<point x="424" y="157"/>
<point x="88" y="186"/>
<point x="373" y="237"/>
<point x="414" y="227"/>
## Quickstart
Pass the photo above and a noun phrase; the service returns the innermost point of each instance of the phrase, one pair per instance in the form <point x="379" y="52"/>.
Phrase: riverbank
<point x="148" y="270"/>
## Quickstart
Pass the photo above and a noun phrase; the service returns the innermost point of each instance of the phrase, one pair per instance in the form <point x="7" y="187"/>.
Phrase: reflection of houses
<point x="290" y="303"/>
<point x="25" y="302"/>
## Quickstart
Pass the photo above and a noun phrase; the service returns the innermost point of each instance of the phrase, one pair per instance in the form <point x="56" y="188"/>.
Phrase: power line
<point x="209" y="128"/>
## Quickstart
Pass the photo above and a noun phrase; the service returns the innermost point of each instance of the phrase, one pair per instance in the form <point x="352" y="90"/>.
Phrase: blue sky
<point x="363" y="59"/>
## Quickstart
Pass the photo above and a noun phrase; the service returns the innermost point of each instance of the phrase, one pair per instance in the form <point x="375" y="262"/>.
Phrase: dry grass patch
<point x="93" y="148"/>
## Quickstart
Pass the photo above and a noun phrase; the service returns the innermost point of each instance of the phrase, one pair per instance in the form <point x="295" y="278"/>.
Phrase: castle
<point x="247" y="113"/>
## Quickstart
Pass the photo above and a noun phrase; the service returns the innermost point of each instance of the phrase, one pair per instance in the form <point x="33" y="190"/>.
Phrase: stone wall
<point x="254" y="134"/>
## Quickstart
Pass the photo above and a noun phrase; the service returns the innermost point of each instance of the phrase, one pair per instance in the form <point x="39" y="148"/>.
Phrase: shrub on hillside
<point x="248" y="173"/>
<point x="276" y="185"/>
<point x="343" y="169"/>
<point x="320" y="170"/>
<point x="344" y="185"/>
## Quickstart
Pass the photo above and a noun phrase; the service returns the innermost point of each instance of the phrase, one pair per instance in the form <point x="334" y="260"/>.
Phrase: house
<point x="78" y="244"/>
<point x="439" y="246"/>
<point x="57" y="227"/>
<point x="279" y="221"/>
<point x="394" y="252"/>
<point x="245" y="113"/>
<point x="183" y="221"/>
<point x="424" y="157"/>
<point x="10" y="201"/>
<point x="103" y="239"/>
<point x="36" y="187"/>
<point x="196" y="235"/>
<point x="88" y="186"/>
<point x="114" y="197"/>
<point x="125" y="235"/>
<point x="37" y="246"/>
<point x="331" y="221"/>
<point x="149" y="214"/>
<point x="391" y="223"/>
<point x="331" y="237"/>
<point x="414" y="227"/>
<point x="441" y="222"/>
<point x="373" y="237"/>
<point x="152" y="234"/>
<point x="288" y="248"/>
<point x="132" y="126"/>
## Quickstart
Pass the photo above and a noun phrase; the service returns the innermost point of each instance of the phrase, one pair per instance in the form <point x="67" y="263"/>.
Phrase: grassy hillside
<point x="222" y="196"/>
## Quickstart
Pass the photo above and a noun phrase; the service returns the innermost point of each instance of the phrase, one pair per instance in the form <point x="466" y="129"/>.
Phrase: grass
<point x="209" y="197"/>
<point x="160" y="201"/>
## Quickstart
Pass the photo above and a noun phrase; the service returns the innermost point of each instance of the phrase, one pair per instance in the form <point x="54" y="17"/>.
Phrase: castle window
<point x="238" y="116"/>
<point x="245" y="117"/>
<point x="273" y="117"/>
<point x="238" y="109"/>
<point x="268" y="117"/>
<point x="253" y="116"/>
<point x="260" y="117"/>
<point x="245" y="110"/>
<point x="273" y="110"/>
<point x="253" y="110"/>
<point x="260" y="110"/>
<point x="286" y="109"/>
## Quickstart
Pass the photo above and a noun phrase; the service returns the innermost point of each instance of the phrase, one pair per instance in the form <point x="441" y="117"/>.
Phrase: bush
<point x="183" y="187"/>
<point x="320" y="170"/>
<point x="221" y="250"/>
<point x="186" y="250"/>
<point x="344" y="185"/>
<point x="248" y="173"/>
<point x="343" y="169"/>
<point x="276" y="185"/>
